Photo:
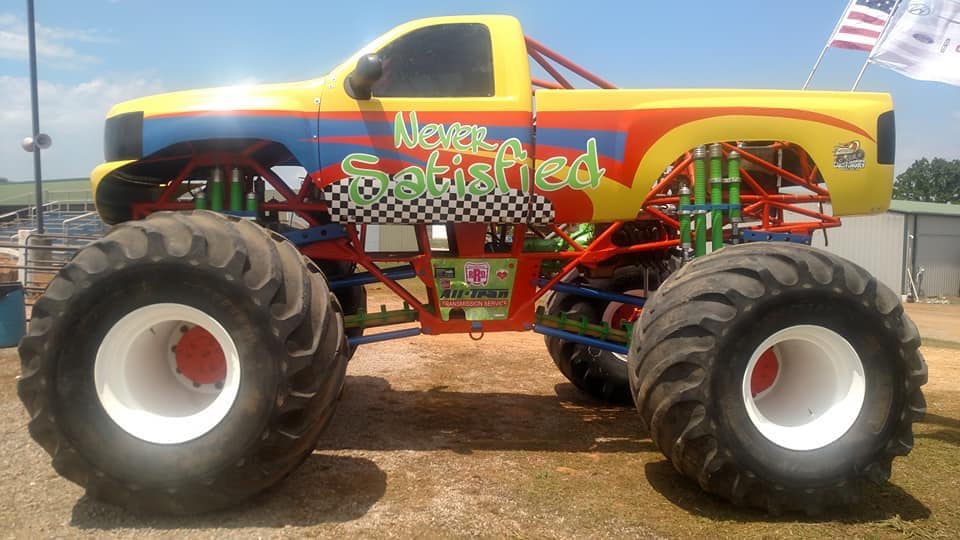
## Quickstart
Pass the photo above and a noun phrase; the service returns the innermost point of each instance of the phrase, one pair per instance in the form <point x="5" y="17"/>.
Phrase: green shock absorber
<point x="236" y="189"/>
<point x="700" y="200"/>
<point x="686" y="247"/>
<point x="716" y="196"/>
<point x="200" y="200"/>
<point x="733" y="177"/>
<point x="251" y="202"/>
<point x="216" y="190"/>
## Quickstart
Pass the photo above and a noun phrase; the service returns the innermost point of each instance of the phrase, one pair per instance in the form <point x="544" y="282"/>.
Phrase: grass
<point x="919" y="503"/>
<point x="12" y="193"/>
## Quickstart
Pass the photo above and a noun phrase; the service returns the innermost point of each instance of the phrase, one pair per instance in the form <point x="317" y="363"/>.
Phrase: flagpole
<point x="863" y="70"/>
<point x="883" y="32"/>
<point x="827" y="45"/>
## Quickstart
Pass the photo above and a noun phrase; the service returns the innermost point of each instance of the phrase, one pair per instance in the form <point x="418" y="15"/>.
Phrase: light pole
<point x="37" y="141"/>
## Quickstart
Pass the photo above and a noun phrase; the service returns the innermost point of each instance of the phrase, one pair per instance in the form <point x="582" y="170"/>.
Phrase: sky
<point x="95" y="53"/>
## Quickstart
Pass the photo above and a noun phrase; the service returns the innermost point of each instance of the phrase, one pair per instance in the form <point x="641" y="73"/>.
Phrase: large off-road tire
<point x="778" y="376"/>
<point x="182" y="363"/>
<point x="600" y="374"/>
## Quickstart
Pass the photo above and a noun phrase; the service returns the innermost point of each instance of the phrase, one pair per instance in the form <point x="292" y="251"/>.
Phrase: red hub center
<point x="626" y="312"/>
<point x="200" y="358"/>
<point x="764" y="372"/>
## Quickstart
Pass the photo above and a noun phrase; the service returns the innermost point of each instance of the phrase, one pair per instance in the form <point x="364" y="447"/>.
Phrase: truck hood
<point x="296" y="96"/>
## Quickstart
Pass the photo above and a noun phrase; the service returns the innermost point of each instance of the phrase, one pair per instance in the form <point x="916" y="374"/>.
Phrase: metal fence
<point x="33" y="259"/>
<point x="37" y="258"/>
<point x="61" y="217"/>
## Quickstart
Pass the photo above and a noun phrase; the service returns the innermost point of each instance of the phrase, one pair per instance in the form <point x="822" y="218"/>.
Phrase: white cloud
<point x="53" y="43"/>
<point x="72" y="114"/>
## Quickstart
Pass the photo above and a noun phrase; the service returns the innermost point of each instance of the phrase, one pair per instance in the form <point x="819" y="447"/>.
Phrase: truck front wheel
<point x="778" y="376"/>
<point x="182" y="363"/>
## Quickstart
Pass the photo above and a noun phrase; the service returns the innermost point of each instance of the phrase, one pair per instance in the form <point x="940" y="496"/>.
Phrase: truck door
<point x="445" y="133"/>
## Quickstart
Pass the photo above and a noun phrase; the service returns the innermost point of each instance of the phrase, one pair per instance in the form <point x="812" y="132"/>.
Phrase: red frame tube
<point x="538" y="50"/>
<point x="561" y="80"/>
<point x="758" y="204"/>
<point x="546" y="84"/>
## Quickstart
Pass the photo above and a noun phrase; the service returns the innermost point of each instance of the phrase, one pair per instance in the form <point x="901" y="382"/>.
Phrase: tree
<point x="936" y="180"/>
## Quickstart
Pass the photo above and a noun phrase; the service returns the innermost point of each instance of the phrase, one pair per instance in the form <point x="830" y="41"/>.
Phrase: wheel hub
<point x="199" y="357"/>
<point x="804" y="387"/>
<point x="616" y="313"/>
<point x="625" y="312"/>
<point x="765" y="372"/>
<point x="167" y="373"/>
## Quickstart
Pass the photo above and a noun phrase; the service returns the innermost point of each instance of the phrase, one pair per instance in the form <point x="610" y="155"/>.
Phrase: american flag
<point x="862" y="24"/>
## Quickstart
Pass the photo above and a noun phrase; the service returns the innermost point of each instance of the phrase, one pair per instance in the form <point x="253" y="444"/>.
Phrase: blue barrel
<point x="13" y="319"/>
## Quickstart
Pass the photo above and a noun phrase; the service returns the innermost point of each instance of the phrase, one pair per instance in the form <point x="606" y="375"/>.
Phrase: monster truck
<point x="657" y="238"/>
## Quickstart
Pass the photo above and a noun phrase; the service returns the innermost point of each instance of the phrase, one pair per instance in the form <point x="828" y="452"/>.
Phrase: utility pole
<point x="37" y="141"/>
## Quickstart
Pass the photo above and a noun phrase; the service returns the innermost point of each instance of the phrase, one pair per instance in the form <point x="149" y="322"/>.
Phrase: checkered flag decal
<point x="513" y="207"/>
<point x="541" y="211"/>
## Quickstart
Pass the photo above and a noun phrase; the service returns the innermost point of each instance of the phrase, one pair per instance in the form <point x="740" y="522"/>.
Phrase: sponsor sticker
<point x="475" y="290"/>
<point x="476" y="274"/>
<point x="849" y="156"/>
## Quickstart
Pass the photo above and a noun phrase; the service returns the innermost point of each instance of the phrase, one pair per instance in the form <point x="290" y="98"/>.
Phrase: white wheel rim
<point x="818" y="391"/>
<point x="140" y="389"/>
<point x="611" y="310"/>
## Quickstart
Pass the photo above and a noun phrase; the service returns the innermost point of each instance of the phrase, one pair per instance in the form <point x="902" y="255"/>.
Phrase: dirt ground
<point x="939" y="322"/>
<point x="447" y="437"/>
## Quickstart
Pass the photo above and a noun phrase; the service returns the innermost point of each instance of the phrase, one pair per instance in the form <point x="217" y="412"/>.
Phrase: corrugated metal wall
<point x="938" y="253"/>
<point x="873" y="242"/>
<point x="393" y="238"/>
<point x="883" y="245"/>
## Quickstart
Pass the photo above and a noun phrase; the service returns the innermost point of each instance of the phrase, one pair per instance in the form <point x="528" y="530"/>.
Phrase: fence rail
<point x="34" y="259"/>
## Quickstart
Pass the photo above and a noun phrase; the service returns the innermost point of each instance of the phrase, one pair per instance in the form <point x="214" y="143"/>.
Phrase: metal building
<point x="915" y="241"/>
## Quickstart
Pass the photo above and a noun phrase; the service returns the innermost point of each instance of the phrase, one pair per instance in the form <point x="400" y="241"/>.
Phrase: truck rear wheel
<point x="601" y="374"/>
<point x="778" y="376"/>
<point x="183" y="363"/>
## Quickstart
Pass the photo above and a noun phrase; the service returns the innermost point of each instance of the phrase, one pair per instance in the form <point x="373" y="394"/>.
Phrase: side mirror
<point x="368" y="71"/>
